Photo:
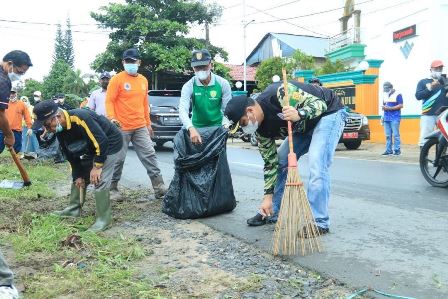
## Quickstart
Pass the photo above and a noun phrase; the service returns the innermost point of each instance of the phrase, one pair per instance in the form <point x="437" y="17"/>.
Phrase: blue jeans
<point x="17" y="144"/>
<point x="29" y="143"/>
<point x="392" y="131"/>
<point x="321" y="145"/>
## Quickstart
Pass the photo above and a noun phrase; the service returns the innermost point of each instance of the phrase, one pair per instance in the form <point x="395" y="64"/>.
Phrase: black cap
<point x="59" y="95"/>
<point x="131" y="54"/>
<point x="315" y="80"/>
<point x="105" y="75"/>
<point x="236" y="108"/>
<point x="45" y="110"/>
<point x="387" y="84"/>
<point x="200" y="57"/>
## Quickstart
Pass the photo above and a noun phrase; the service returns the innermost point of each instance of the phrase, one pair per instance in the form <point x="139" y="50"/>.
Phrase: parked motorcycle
<point x="434" y="156"/>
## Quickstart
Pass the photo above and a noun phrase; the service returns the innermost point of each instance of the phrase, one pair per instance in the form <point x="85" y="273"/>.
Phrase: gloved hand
<point x="29" y="132"/>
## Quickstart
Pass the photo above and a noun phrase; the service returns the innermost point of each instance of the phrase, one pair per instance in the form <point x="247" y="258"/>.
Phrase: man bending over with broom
<point x="318" y="118"/>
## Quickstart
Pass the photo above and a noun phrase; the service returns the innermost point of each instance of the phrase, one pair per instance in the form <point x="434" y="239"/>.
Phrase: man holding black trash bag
<point x="202" y="184"/>
<point x="206" y="93"/>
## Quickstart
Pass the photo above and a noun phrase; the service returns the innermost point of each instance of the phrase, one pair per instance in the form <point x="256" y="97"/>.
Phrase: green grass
<point x="102" y="267"/>
<point x="43" y="175"/>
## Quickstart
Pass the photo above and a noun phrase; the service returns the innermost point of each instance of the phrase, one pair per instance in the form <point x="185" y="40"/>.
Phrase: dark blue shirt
<point x="393" y="100"/>
<point x="433" y="99"/>
<point x="5" y="89"/>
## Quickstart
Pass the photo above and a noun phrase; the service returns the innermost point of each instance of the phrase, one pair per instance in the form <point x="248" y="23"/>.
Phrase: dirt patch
<point x="180" y="259"/>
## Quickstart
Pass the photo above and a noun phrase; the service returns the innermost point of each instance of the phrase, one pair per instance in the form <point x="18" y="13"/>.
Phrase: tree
<point x="331" y="67"/>
<point x="30" y="87"/>
<point x="59" y="52"/>
<point x="267" y="69"/>
<point x="158" y="29"/>
<point x="300" y="61"/>
<point x="68" y="45"/>
<point x="54" y="82"/>
<point x="222" y="70"/>
<point x="63" y="45"/>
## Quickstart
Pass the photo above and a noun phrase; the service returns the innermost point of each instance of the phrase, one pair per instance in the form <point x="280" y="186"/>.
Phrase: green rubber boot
<point x="103" y="211"/>
<point x="74" y="207"/>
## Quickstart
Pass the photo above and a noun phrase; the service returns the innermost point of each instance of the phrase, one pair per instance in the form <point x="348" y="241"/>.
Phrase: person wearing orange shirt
<point x="16" y="113"/>
<point x="127" y="106"/>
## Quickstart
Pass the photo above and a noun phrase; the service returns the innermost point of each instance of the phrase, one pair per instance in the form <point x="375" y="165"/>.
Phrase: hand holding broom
<point x="295" y="225"/>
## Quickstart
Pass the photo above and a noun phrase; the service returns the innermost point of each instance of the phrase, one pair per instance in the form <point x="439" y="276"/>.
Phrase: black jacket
<point x="100" y="137"/>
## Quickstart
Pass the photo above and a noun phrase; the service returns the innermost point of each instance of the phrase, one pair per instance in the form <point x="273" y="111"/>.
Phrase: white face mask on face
<point x="202" y="75"/>
<point x="14" y="76"/>
<point x="436" y="75"/>
<point x="251" y="126"/>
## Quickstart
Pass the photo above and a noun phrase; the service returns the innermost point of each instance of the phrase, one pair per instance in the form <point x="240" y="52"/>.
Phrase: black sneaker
<point x="321" y="230"/>
<point x="397" y="153"/>
<point x="257" y="220"/>
<point x="386" y="154"/>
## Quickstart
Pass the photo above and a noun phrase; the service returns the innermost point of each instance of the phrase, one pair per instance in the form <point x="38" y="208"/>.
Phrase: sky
<point x="19" y="28"/>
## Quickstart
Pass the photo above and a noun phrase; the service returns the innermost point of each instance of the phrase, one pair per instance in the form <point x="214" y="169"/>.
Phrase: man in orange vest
<point x="127" y="106"/>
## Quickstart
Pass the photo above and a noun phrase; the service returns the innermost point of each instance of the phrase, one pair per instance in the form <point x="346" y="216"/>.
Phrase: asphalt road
<point x="389" y="228"/>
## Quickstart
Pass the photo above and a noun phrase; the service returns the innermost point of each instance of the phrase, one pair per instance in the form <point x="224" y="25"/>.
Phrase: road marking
<point x="248" y="164"/>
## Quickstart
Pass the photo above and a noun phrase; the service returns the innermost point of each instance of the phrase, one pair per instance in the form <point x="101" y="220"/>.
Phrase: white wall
<point x="429" y="44"/>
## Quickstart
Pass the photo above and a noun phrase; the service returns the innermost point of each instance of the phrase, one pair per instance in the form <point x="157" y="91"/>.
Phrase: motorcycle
<point x="434" y="156"/>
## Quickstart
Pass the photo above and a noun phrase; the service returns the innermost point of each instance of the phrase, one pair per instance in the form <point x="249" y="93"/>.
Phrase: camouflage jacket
<point x="272" y="104"/>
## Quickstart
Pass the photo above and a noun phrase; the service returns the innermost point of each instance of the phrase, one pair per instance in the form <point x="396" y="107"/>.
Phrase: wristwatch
<point x="302" y="113"/>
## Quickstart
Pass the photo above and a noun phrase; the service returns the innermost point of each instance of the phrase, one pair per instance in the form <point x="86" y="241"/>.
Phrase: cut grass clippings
<point x="98" y="267"/>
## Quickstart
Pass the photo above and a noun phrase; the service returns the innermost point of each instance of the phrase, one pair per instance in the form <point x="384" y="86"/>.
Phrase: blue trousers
<point x="392" y="131"/>
<point x="17" y="144"/>
<point x="320" y="145"/>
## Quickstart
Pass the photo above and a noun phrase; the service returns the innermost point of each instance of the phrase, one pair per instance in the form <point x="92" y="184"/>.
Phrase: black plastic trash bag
<point x="202" y="185"/>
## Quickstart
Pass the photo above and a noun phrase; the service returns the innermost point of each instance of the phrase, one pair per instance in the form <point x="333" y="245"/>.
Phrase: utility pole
<point x="244" y="43"/>
<point x="207" y="35"/>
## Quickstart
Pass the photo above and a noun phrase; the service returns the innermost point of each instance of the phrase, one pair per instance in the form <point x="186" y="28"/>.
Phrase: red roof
<point x="237" y="72"/>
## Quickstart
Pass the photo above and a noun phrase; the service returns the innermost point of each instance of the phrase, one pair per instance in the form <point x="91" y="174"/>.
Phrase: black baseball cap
<point x="132" y="54"/>
<point x="105" y="75"/>
<point x="45" y="110"/>
<point x="200" y="57"/>
<point x="315" y="80"/>
<point x="60" y="95"/>
<point x="236" y="108"/>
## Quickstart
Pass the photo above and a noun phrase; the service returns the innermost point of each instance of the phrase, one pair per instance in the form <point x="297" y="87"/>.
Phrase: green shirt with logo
<point x="207" y="101"/>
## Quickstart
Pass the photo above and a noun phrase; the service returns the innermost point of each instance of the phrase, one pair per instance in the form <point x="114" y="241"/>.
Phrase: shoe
<point x="397" y="153"/>
<point x="386" y="154"/>
<point x="103" y="211"/>
<point x="74" y="207"/>
<point x="320" y="230"/>
<point x="8" y="292"/>
<point x="30" y="156"/>
<point x="257" y="220"/>
<point x="159" y="187"/>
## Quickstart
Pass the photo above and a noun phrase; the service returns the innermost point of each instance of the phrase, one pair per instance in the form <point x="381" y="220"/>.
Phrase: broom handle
<point x="286" y="103"/>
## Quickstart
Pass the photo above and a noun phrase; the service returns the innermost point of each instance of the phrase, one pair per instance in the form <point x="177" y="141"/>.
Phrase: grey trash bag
<point x="202" y="184"/>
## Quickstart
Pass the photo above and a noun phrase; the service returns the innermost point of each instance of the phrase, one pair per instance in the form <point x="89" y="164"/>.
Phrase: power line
<point x="308" y="15"/>
<point x="301" y="27"/>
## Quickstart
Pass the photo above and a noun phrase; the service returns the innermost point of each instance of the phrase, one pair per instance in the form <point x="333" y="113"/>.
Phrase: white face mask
<point x="436" y="75"/>
<point x="14" y="76"/>
<point x="251" y="127"/>
<point x="202" y="75"/>
<point x="36" y="99"/>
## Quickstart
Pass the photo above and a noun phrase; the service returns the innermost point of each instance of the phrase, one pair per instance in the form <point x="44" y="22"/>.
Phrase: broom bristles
<point x="295" y="226"/>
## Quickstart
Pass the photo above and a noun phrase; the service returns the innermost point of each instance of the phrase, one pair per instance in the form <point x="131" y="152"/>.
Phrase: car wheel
<point x="159" y="144"/>
<point x="352" y="145"/>
<point x="253" y="140"/>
